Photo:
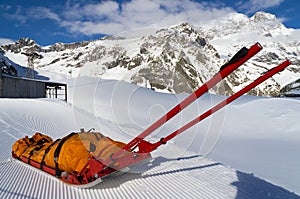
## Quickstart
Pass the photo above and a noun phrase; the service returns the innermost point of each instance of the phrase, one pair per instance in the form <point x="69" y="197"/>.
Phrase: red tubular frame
<point x="230" y="99"/>
<point x="93" y="170"/>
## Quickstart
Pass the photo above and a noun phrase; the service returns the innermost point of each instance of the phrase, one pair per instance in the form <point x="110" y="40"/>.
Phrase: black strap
<point x="57" y="151"/>
<point x="32" y="143"/>
<point x="37" y="148"/>
<point x="46" y="152"/>
<point x="31" y="140"/>
<point x="42" y="141"/>
<point x="28" y="145"/>
<point x="97" y="136"/>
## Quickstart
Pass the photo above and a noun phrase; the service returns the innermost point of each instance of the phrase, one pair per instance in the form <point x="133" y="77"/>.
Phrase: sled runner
<point x="83" y="159"/>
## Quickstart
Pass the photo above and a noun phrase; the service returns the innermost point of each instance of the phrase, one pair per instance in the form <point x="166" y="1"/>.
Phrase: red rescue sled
<point x="138" y="149"/>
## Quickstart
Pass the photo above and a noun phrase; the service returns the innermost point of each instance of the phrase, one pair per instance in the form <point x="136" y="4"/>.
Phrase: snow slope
<point x="245" y="135"/>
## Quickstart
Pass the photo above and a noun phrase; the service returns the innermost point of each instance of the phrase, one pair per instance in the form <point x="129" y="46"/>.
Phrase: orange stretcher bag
<point x="69" y="154"/>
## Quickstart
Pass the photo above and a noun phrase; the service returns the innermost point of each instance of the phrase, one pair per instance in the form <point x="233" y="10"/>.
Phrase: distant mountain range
<point x="177" y="59"/>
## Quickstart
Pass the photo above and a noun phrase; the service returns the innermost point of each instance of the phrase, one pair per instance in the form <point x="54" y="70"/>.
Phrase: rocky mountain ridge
<point x="177" y="59"/>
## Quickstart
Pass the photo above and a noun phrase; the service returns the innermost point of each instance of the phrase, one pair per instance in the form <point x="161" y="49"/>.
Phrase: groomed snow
<point x="248" y="150"/>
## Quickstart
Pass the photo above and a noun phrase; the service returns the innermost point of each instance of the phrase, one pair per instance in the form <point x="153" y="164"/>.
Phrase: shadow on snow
<point x="250" y="186"/>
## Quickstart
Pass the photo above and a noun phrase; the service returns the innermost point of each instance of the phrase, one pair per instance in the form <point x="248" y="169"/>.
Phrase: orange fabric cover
<point x="26" y="144"/>
<point x="74" y="152"/>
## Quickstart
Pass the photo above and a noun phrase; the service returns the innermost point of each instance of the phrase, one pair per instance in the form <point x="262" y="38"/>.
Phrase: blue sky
<point x="69" y="21"/>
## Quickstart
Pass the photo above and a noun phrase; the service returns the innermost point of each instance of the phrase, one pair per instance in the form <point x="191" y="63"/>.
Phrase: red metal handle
<point x="258" y="81"/>
<point x="191" y="98"/>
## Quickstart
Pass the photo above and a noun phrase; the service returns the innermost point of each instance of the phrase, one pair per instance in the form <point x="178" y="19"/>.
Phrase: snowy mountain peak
<point x="178" y="59"/>
<point x="25" y="42"/>
<point x="263" y="17"/>
<point x="24" y="45"/>
<point x="184" y="28"/>
<point x="235" y="18"/>
<point x="259" y="17"/>
<point x="270" y="23"/>
<point x="261" y="23"/>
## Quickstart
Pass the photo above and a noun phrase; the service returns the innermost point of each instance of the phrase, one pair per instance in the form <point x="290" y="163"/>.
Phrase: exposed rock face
<point x="178" y="59"/>
<point x="291" y="90"/>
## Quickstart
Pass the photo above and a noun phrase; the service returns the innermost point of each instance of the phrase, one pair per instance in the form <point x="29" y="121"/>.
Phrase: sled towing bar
<point x="145" y="147"/>
<point x="236" y="61"/>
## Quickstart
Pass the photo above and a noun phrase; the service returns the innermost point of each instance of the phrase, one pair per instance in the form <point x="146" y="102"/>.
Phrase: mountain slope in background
<point x="177" y="59"/>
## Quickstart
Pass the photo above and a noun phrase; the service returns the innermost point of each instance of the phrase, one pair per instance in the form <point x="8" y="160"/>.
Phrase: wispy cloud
<point x="5" y="7"/>
<point x="252" y="6"/>
<point x="110" y="17"/>
<point x="42" y="13"/>
<point x="23" y="15"/>
<point x="5" y="41"/>
<point x="17" y="15"/>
